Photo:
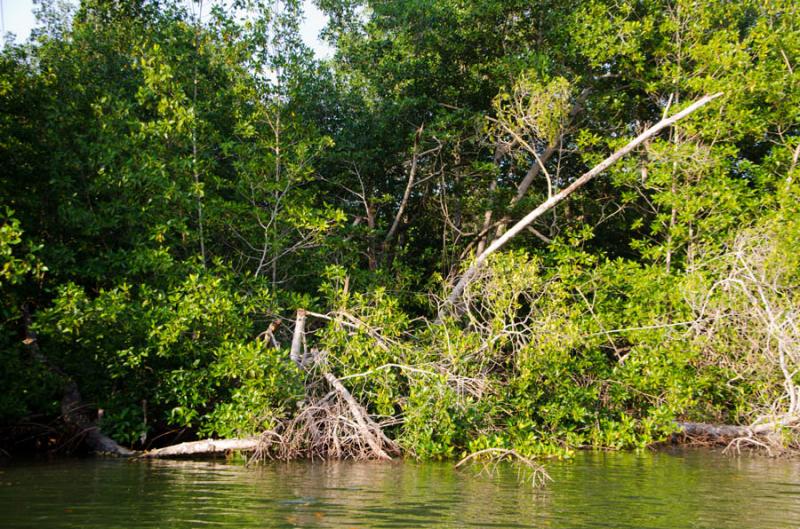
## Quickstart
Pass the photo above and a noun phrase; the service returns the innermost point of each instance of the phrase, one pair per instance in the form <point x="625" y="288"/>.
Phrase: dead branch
<point x="354" y="323"/>
<point x="269" y="335"/>
<point x="297" y="351"/>
<point x="545" y="206"/>
<point x="205" y="447"/>
<point x="407" y="193"/>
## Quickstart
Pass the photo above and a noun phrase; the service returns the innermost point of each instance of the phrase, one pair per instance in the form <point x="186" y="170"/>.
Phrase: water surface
<point x="697" y="489"/>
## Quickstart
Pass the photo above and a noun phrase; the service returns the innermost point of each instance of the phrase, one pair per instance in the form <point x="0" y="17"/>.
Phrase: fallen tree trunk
<point x="725" y="433"/>
<point x="206" y="447"/>
<point x="322" y="428"/>
<point x="551" y="202"/>
<point x="761" y="436"/>
<point x="73" y="412"/>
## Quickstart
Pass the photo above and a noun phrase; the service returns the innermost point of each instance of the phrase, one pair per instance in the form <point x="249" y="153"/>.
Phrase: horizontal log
<point x="723" y="432"/>
<point x="205" y="447"/>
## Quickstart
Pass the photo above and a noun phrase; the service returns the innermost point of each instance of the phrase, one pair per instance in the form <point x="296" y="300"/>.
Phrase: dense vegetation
<point x="175" y="185"/>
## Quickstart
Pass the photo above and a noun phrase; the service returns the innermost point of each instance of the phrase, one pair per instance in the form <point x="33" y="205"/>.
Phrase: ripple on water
<point x="658" y="490"/>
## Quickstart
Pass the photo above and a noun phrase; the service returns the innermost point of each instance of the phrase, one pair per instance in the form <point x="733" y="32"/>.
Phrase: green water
<point x="696" y="489"/>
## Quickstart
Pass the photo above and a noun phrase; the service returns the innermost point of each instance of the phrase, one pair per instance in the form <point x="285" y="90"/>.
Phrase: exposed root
<point x="490" y="459"/>
<point x="327" y="428"/>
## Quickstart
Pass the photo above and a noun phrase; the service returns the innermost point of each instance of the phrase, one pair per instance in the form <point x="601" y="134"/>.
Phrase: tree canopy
<point x="177" y="183"/>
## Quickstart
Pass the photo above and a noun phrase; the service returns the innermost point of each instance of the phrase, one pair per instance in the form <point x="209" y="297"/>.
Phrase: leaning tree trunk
<point x="73" y="409"/>
<point x="458" y="289"/>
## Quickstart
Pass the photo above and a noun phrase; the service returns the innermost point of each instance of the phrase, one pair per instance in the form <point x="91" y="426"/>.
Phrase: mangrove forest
<point x="480" y="230"/>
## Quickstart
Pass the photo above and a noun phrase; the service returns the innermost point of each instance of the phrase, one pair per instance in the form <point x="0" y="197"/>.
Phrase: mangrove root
<point x="326" y="428"/>
<point x="490" y="459"/>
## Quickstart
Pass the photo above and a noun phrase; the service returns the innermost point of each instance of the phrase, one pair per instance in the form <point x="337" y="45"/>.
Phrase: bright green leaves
<point x="17" y="258"/>
<point x="162" y="96"/>
<point x="533" y="109"/>
<point x="613" y="37"/>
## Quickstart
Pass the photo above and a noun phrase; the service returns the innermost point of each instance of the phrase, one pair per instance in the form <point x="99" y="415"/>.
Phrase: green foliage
<point x="28" y="388"/>
<point x="190" y="351"/>
<point x="14" y="267"/>
<point x="174" y="185"/>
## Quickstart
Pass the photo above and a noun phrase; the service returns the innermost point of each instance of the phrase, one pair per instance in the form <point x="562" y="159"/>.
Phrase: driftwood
<point x="726" y="433"/>
<point x="551" y="202"/>
<point x="719" y="432"/>
<point x="206" y="447"/>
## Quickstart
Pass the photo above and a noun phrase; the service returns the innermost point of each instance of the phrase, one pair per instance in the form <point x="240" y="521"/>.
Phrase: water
<point x="696" y="489"/>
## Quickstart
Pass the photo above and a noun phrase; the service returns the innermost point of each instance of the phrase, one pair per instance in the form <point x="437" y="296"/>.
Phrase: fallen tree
<point x="331" y="423"/>
<point x="205" y="447"/>
<point x="765" y="436"/>
<point x="724" y="433"/>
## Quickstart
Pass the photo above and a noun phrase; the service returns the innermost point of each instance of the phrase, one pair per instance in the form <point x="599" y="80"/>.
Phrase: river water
<point x="681" y="489"/>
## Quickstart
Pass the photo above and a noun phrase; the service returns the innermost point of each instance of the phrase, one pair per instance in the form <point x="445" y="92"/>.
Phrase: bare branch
<point x="557" y="198"/>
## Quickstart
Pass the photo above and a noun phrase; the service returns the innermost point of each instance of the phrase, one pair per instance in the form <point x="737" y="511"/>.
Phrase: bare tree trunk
<point x="483" y="237"/>
<point x="372" y="257"/>
<point x="545" y="206"/>
<point x="297" y="352"/>
<point x="407" y="193"/>
<point x="195" y="171"/>
<point x="487" y="221"/>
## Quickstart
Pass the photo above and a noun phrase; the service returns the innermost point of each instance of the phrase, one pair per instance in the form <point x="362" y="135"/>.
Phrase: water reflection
<point x="614" y="490"/>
